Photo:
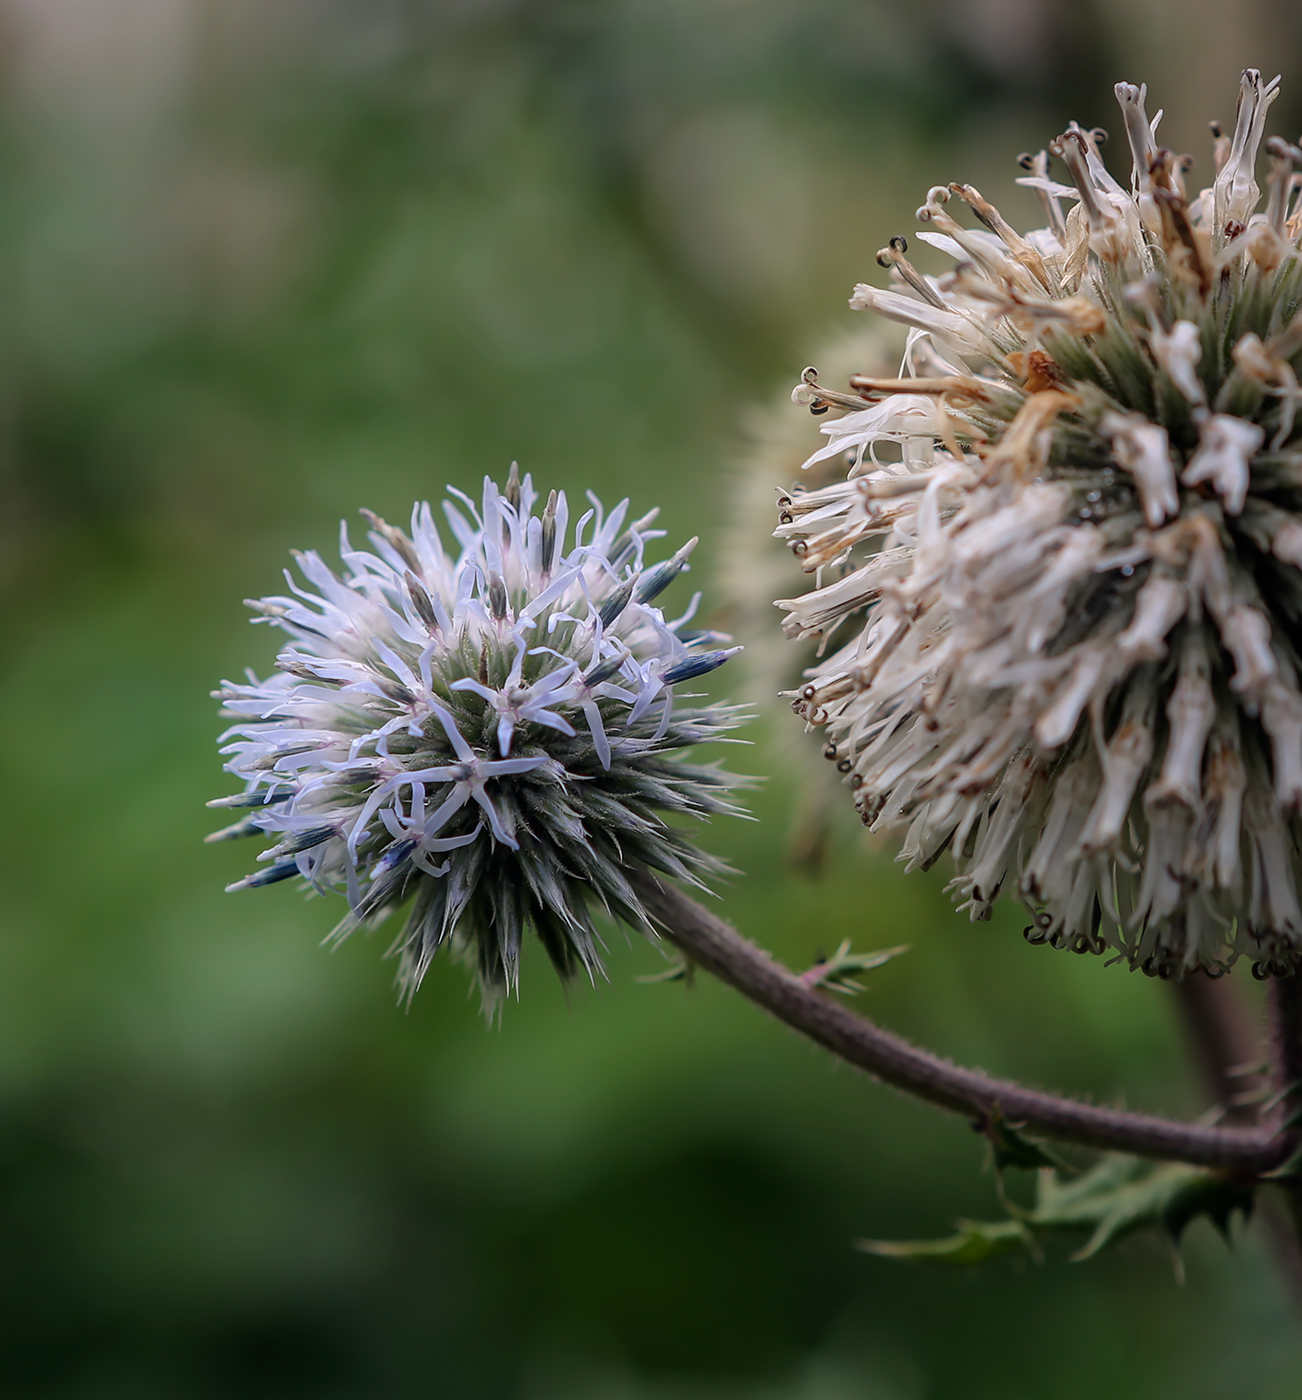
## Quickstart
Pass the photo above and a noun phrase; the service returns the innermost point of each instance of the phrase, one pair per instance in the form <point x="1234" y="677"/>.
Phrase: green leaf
<point x="837" y="973"/>
<point x="1115" y="1198"/>
<point x="1123" y="1194"/>
<point x="975" y="1242"/>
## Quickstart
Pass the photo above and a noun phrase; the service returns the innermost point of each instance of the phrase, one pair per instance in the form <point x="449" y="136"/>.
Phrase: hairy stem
<point x="720" y="950"/>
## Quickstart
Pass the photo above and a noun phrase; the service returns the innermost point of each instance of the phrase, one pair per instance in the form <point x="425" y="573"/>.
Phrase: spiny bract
<point x="486" y="733"/>
<point x="1078" y="624"/>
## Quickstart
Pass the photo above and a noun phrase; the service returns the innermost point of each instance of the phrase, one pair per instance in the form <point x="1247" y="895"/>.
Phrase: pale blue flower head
<point x="484" y="733"/>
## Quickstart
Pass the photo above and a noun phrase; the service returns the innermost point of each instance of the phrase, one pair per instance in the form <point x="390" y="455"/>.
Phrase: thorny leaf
<point x="1117" y="1197"/>
<point x="837" y="973"/>
<point x="1009" y="1147"/>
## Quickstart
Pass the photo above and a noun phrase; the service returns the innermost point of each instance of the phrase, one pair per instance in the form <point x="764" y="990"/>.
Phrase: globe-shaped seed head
<point x="1063" y="581"/>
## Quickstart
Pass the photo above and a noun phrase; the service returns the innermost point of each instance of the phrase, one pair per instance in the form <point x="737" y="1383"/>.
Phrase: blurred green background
<point x="266" y="261"/>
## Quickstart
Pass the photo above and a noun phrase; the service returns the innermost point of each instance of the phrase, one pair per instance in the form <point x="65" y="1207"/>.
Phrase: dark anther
<point x="899" y="243"/>
<point x="844" y="766"/>
<point x="1100" y="135"/>
<point x="1260" y="971"/>
<point x="1026" y="160"/>
<point x="818" y="407"/>
<point x="549" y="533"/>
<point x="1033" y="935"/>
<point x="496" y="596"/>
<point x="1217" y="130"/>
<point x="856" y="781"/>
<point x="785" y="517"/>
<point x="799" y="547"/>
<point x="784" y="501"/>
<point x="808" y="693"/>
<point x="829" y="751"/>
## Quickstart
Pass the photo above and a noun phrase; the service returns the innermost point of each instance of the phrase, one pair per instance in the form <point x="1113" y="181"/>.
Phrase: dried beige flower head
<point x="1068" y="556"/>
<point x="751" y="570"/>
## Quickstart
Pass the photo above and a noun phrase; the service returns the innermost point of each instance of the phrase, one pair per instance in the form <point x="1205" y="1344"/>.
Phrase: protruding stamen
<point x="625" y="547"/>
<point x="809" y="393"/>
<point x="1139" y="133"/>
<point x="497" y="596"/>
<point x="1107" y="235"/>
<point x="1002" y="229"/>
<point x="892" y="257"/>
<point x="654" y="582"/>
<point x="1284" y="158"/>
<point x="284" y="870"/>
<point x="246" y="826"/>
<point x="1038" y="167"/>
<point x="617" y="602"/>
<point x="694" y="666"/>
<point x="1235" y="191"/>
<point x="393" y="536"/>
<point x="548" y="550"/>
<point x="946" y="324"/>
<point x="966" y="387"/>
<point x="261" y="798"/>
<point x="420" y="600"/>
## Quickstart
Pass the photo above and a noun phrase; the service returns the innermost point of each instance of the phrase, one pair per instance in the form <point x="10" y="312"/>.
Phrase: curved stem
<point x="720" y="950"/>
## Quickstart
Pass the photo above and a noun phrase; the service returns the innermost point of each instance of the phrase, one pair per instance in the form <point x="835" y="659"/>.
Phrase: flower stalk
<point x="714" y="945"/>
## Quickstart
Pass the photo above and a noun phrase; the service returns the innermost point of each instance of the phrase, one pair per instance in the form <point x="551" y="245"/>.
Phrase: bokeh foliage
<point x="267" y="263"/>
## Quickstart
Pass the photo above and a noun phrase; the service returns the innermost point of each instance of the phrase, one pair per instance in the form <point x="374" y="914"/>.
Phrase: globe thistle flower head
<point x="1066" y="560"/>
<point x="752" y="569"/>
<point x="485" y="732"/>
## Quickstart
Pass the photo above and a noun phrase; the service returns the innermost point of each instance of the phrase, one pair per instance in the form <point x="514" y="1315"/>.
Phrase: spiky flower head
<point x="485" y="733"/>
<point x="1069" y="552"/>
